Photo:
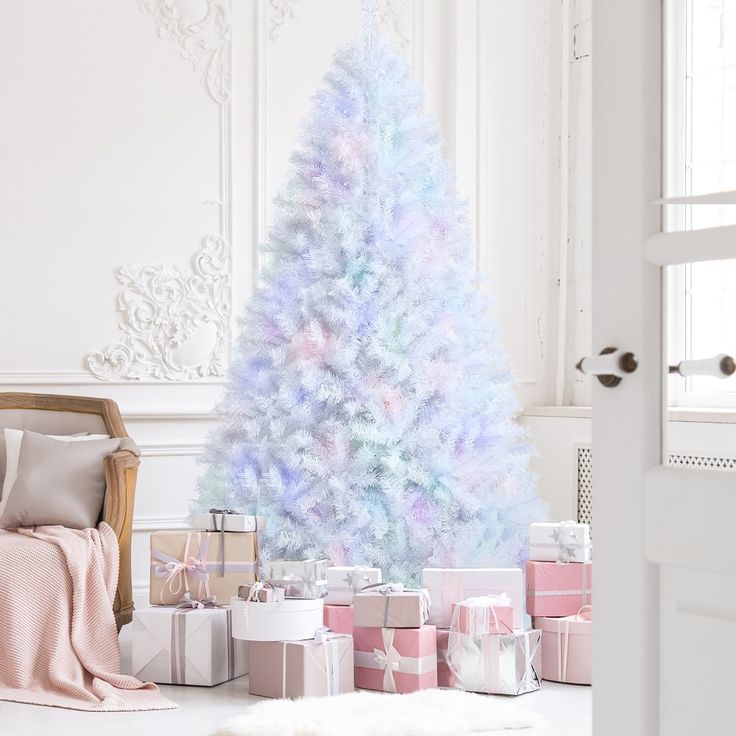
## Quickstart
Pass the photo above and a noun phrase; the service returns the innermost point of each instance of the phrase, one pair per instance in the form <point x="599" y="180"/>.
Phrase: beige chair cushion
<point x="58" y="482"/>
<point x="46" y="421"/>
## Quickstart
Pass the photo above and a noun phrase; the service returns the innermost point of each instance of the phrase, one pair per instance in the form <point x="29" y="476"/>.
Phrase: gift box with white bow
<point x="344" y="582"/>
<point x="499" y="664"/>
<point x="395" y="660"/>
<point x="201" y="564"/>
<point x="296" y="669"/>
<point x="219" y="520"/>
<point x="260" y="593"/>
<point x="391" y="605"/>
<point x="299" y="578"/>
<point x="287" y="620"/>
<point x="567" y="647"/>
<point x="564" y="541"/>
<point x="556" y="589"/>
<point x="447" y="586"/>
<point x="186" y="646"/>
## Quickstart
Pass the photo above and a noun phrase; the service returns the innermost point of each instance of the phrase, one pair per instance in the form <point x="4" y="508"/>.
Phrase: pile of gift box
<point x="305" y="628"/>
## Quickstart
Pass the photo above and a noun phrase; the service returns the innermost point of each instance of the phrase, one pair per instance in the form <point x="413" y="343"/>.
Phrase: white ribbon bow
<point x="388" y="660"/>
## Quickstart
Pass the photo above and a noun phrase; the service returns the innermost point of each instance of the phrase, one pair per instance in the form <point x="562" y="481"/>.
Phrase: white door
<point x="665" y="593"/>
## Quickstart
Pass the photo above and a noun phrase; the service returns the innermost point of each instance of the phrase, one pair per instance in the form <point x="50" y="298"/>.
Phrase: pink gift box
<point x="483" y="615"/>
<point x="556" y="589"/>
<point x="395" y="660"/>
<point x="567" y="648"/>
<point x="445" y="676"/>
<point x="339" y="619"/>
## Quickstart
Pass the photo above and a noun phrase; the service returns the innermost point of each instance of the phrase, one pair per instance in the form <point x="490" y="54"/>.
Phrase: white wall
<point x="141" y="144"/>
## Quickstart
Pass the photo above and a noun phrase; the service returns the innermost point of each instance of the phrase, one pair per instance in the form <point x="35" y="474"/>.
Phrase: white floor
<point x="566" y="708"/>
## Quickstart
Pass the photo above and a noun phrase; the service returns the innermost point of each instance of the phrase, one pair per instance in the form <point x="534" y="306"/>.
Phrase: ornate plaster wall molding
<point x="394" y="17"/>
<point x="282" y="11"/>
<point x="175" y="320"/>
<point x="203" y="38"/>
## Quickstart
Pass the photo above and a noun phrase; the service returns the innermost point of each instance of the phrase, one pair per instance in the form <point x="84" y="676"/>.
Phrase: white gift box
<point x="177" y="646"/>
<point x="344" y="582"/>
<point x="447" y="586"/>
<point x="288" y="620"/>
<point x="218" y="522"/>
<point x="553" y="541"/>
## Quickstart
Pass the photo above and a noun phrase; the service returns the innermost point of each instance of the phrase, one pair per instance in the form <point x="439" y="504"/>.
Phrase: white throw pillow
<point x="13" y="440"/>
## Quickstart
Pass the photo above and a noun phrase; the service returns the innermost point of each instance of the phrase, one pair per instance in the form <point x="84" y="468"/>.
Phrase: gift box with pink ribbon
<point x="558" y="589"/>
<point x="322" y="665"/>
<point x="447" y="586"/>
<point x="339" y="618"/>
<point x="498" y="664"/>
<point x="567" y="647"/>
<point x="201" y="564"/>
<point x="391" y="605"/>
<point x="344" y="582"/>
<point x="190" y="644"/>
<point x="559" y="541"/>
<point x="395" y="660"/>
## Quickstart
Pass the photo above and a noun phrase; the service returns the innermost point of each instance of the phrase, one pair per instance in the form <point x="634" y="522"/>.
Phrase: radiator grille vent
<point x="584" y="459"/>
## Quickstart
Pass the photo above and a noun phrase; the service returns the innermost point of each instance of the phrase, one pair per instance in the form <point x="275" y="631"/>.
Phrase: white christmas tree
<point x="369" y="412"/>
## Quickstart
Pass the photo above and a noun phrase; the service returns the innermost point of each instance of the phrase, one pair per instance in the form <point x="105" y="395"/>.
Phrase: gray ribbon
<point x="179" y="636"/>
<point x="221" y="513"/>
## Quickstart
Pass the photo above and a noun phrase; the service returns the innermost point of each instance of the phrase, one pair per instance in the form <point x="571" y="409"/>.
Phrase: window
<point x="700" y="158"/>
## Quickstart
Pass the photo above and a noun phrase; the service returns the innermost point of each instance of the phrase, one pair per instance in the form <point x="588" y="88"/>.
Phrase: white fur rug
<point x="424" y="713"/>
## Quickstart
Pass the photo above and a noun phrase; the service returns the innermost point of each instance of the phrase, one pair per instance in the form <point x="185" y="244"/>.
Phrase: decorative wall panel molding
<point x="395" y="19"/>
<point x="203" y="38"/>
<point x="176" y="321"/>
<point x="281" y="12"/>
<point x="394" y="16"/>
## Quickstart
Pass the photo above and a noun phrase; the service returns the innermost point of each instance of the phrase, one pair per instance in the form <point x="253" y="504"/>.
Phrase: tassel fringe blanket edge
<point x="58" y="638"/>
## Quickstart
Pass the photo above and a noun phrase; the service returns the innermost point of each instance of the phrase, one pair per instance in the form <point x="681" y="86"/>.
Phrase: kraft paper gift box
<point x="395" y="660"/>
<point x="225" y="520"/>
<point x="447" y="586"/>
<point x="567" y="647"/>
<point x="445" y="676"/>
<point x="339" y="619"/>
<point x="298" y="578"/>
<point x="391" y="606"/>
<point x="288" y="620"/>
<point x="498" y="664"/>
<point x="344" y="582"/>
<point x="487" y="614"/>
<point x="556" y="589"/>
<point x="565" y="541"/>
<point x="186" y="646"/>
<point x="260" y="592"/>
<point x="203" y="564"/>
<point x="296" y="669"/>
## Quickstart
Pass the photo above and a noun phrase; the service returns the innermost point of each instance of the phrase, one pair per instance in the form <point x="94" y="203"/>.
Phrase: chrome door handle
<point x="719" y="366"/>
<point x="610" y="366"/>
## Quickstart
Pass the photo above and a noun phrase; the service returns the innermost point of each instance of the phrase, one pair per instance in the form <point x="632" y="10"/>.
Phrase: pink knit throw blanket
<point x="58" y="639"/>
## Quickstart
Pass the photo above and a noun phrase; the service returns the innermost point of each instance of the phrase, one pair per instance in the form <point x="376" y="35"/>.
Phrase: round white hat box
<point x="288" y="620"/>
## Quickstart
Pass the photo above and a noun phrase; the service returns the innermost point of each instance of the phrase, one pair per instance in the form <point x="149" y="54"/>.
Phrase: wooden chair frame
<point x="121" y="472"/>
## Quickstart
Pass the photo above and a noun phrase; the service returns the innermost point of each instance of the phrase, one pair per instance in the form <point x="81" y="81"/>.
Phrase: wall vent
<point x="584" y="475"/>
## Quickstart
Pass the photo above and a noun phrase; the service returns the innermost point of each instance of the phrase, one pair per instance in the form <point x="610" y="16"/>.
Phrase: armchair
<point x="51" y="414"/>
